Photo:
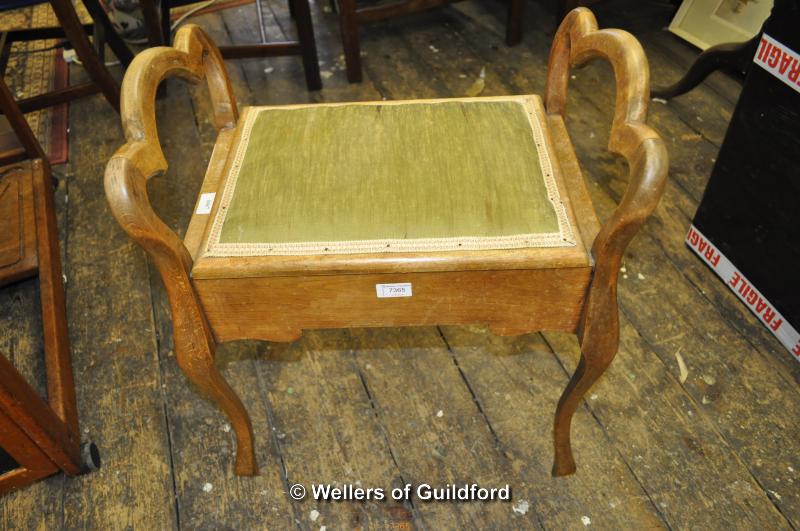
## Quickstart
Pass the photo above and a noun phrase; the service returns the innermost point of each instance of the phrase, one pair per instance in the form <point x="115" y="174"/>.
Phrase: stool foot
<point x="585" y="375"/>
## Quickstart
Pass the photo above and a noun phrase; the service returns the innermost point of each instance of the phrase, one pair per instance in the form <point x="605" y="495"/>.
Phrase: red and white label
<point x="743" y="289"/>
<point x="779" y="60"/>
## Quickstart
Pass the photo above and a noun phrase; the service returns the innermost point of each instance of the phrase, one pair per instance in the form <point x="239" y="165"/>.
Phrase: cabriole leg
<point x="590" y="368"/>
<point x="194" y="351"/>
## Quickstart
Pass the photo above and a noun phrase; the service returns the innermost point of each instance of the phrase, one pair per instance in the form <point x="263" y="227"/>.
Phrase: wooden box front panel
<point x="279" y="308"/>
<point x="18" y="237"/>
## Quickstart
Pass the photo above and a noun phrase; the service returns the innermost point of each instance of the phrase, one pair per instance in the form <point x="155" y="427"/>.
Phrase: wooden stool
<point x="406" y="213"/>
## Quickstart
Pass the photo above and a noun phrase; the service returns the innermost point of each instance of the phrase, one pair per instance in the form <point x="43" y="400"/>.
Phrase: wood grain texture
<point x="47" y="431"/>
<point x="511" y="302"/>
<point x="158" y="29"/>
<point x="18" y="240"/>
<point x="113" y="346"/>
<point x="205" y="440"/>
<point x="21" y="340"/>
<point x="318" y="399"/>
<point x="33" y="462"/>
<point x="514" y="379"/>
<point x="44" y="441"/>
<point x="411" y="379"/>
<point x="637" y="415"/>
<point x="577" y="41"/>
<point x="94" y="64"/>
<point x="351" y="17"/>
<point x="193" y="57"/>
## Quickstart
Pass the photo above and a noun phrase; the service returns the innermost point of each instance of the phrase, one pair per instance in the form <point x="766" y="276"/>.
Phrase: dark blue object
<point x="14" y="4"/>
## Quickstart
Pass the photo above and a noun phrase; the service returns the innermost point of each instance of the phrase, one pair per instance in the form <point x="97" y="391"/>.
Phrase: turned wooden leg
<point x="198" y="365"/>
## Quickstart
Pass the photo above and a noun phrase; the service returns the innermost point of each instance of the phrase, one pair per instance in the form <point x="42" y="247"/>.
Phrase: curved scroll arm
<point x="577" y="41"/>
<point x="193" y="57"/>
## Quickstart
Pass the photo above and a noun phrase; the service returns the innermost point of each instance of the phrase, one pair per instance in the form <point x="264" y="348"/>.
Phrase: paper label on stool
<point x="401" y="289"/>
<point x="205" y="203"/>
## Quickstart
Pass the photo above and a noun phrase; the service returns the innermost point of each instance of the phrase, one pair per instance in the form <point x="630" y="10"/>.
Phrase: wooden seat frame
<point x="283" y="295"/>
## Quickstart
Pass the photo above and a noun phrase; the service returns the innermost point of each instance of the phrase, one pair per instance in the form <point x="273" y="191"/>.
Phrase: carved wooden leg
<point x="599" y="338"/>
<point x="197" y="362"/>
<point x="577" y="41"/>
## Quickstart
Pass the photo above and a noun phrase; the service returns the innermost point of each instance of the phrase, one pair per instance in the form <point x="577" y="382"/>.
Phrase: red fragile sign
<point x="744" y="289"/>
<point x="779" y="60"/>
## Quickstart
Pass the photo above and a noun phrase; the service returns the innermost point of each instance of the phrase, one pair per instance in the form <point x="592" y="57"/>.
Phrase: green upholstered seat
<point x="390" y="177"/>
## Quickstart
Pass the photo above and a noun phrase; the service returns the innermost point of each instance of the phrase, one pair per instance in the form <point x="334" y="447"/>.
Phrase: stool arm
<point x="577" y="41"/>
<point x="193" y="57"/>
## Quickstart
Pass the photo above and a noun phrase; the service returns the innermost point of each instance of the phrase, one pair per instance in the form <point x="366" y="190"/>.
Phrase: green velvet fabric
<point x="373" y="172"/>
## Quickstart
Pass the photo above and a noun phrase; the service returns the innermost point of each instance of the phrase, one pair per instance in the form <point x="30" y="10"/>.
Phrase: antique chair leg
<point x="577" y="41"/>
<point x="350" y="42"/>
<point x="598" y="348"/>
<point x="204" y="374"/>
<point x="152" y="23"/>
<point x="736" y="55"/>
<point x="194" y="57"/>
<point x="305" y="34"/>
<point x="113" y="39"/>
<point x="194" y="351"/>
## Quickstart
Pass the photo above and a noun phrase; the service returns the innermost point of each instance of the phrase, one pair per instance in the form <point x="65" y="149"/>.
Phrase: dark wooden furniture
<point x="37" y="437"/>
<point x="91" y="58"/>
<point x="513" y="242"/>
<point x="159" y="33"/>
<point x="352" y="17"/>
<point x="730" y="55"/>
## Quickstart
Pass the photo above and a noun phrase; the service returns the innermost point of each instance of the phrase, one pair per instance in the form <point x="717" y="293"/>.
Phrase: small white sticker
<point x="205" y="203"/>
<point x="402" y="289"/>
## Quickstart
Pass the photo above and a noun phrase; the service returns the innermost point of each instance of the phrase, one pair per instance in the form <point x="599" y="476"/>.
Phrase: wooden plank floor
<point x="385" y="407"/>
